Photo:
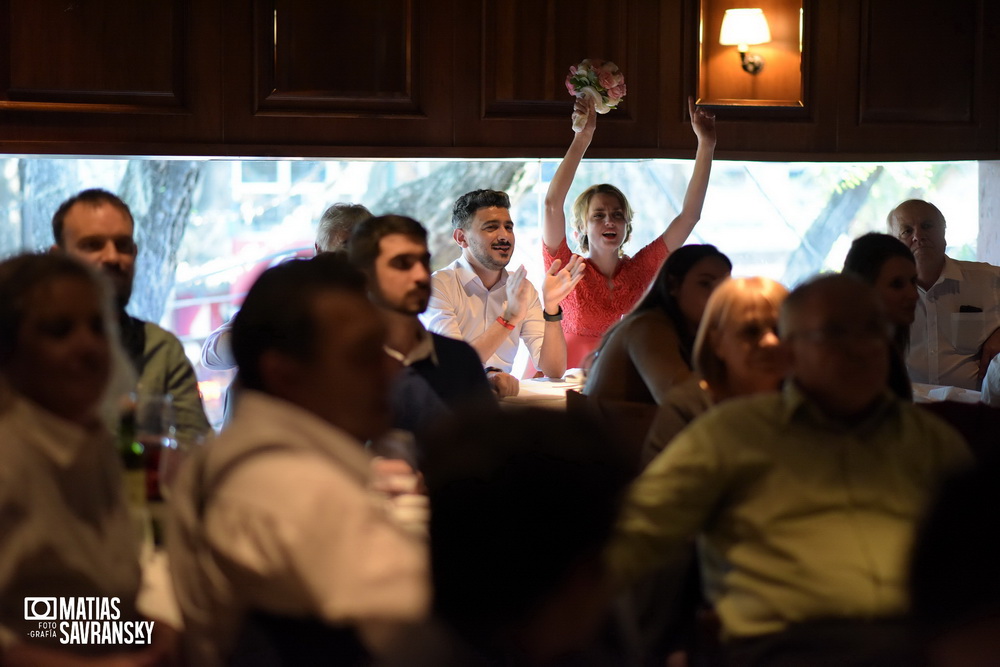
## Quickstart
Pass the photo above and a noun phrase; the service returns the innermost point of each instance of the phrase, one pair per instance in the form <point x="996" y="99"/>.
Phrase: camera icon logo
<point x="40" y="609"/>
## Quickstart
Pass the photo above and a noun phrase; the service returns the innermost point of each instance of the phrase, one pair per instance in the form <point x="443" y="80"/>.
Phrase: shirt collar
<point x="57" y="439"/>
<point x="950" y="271"/>
<point x="466" y="274"/>
<point x="424" y="349"/>
<point x="798" y="406"/>
<point x="261" y="418"/>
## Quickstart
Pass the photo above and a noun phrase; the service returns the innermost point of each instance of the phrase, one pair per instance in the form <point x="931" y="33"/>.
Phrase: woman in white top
<point x="65" y="531"/>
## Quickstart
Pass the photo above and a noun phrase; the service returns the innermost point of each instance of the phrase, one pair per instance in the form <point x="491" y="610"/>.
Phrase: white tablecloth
<point x="546" y="392"/>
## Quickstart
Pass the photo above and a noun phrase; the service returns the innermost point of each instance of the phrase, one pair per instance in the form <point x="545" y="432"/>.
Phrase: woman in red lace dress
<point x="602" y="222"/>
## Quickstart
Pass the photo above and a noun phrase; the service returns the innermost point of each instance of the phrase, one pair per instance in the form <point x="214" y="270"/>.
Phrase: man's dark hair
<point x="467" y="205"/>
<point x="519" y="498"/>
<point x="278" y="311"/>
<point x="92" y="197"/>
<point x="20" y="276"/>
<point x="363" y="247"/>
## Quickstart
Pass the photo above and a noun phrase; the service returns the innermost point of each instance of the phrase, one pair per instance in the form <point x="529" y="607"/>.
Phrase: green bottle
<point x="133" y="455"/>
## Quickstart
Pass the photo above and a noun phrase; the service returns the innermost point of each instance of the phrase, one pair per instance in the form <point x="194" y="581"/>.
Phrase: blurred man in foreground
<point x="807" y="499"/>
<point x="524" y="502"/>
<point x="278" y="541"/>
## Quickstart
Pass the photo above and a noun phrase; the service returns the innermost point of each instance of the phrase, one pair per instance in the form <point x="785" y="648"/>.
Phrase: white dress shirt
<point x="279" y="517"/>
<point x="64" y="524"/>
<point x="945" y="342"/>
<point x="461" y="307"/>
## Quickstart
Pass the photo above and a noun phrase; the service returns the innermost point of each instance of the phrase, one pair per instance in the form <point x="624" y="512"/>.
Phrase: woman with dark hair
<point x="65" y="525"/>
<point x="736" y="353"/>
<point x="649" y="351"/>
<point x="886" y="264"/>
<point x="602" y="223"/>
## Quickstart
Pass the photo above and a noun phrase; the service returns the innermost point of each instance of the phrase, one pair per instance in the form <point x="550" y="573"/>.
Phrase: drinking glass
<point x="156" y="430"/>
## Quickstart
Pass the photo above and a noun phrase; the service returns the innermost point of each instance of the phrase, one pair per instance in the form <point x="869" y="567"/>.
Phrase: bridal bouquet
<point x="598" y="79"/>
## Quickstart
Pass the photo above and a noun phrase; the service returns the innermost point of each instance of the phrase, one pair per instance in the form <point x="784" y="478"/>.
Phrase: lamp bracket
<point x="752" y="62"/>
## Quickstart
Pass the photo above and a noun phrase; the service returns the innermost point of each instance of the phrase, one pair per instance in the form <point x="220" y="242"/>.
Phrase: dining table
<point x="546" y="392"/>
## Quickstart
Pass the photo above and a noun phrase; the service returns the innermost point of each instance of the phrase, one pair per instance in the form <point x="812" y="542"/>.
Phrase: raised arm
<point x="554" y="221"/>
<point x="703" y="124"/>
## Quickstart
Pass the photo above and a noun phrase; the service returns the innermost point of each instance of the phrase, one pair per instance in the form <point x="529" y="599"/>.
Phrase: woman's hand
<point x="702" y="122"/>
<point x="584" y="106"/>
<point x="559" y="282"/>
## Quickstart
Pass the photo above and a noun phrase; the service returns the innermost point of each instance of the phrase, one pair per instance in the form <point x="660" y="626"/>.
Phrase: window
<point x="786" y="221"/>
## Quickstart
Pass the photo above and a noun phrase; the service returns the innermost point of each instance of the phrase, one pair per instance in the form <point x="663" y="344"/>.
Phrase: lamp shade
<point x="742" y="27"/>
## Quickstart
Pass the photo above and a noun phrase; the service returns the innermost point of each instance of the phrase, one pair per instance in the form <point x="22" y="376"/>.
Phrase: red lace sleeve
<point x="649" y="260"/>
<point x="562" y="252"/>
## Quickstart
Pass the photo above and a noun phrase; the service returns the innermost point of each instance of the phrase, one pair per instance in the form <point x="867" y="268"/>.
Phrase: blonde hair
<point x="719" y="313"/>
<point x="582" y="205"/>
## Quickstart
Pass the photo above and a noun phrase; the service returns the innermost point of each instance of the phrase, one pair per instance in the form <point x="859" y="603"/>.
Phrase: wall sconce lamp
<point x="741" y="28"/>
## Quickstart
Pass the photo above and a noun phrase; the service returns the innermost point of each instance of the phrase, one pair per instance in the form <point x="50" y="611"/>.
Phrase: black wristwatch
<point x="552" y="318"/>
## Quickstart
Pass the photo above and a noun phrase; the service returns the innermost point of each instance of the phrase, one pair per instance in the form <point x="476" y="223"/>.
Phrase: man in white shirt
<point x="475" y="299"/>
<point x="277" y="523"/>
<point x="956" y="332"/>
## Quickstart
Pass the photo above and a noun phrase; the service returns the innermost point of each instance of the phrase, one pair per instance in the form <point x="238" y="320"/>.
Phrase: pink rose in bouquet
<point x="600" y="80"/>
<point x="617" y="92"/>
<point x="606" y="79"/>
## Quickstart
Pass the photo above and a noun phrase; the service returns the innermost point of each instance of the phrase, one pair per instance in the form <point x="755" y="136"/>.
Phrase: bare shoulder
<point x="651" y="323"/>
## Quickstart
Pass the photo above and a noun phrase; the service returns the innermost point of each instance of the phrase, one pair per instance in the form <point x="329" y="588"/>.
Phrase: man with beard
<point x="475" y="299"/>
<point x="97" y="227"/>
<point x="956" y="330"/>
<point x="438" y="373"/>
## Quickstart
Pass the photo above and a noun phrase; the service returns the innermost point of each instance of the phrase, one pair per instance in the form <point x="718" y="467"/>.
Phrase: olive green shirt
<point x="167" y="370"/>
<point x="807" y="518"/>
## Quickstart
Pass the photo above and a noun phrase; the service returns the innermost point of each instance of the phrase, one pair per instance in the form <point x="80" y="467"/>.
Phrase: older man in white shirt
<point x="475" y="299"/>
<point x="956" y="331"/>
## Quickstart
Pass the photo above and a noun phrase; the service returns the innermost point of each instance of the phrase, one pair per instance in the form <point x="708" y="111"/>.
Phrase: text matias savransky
<point x="84" y="620"/>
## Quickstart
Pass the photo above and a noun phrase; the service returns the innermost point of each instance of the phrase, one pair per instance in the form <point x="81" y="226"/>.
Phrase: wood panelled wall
<point x="884" y="79"/>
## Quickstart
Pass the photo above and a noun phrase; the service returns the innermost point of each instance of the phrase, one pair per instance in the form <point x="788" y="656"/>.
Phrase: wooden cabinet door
<point x="111" y="76"/>
<point x="306" y="77"/>
<point x="918" y="77"/>
<point x="512" y="57"/>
